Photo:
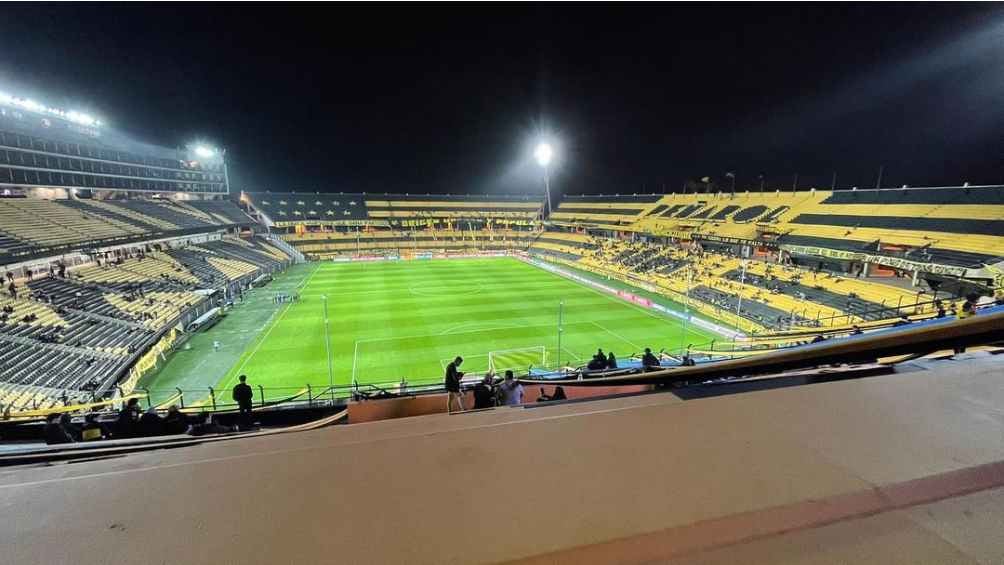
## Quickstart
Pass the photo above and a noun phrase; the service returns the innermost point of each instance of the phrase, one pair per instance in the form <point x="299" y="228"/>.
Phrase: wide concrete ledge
<point x="830" y="472"/>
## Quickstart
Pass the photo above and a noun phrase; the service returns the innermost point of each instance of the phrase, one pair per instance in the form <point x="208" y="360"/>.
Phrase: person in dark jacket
<point x="611" y="361"/>
<point x="452" y="384"/>
<point x="175" y="422"/>
<point x="648" y="360"/>
<point x="484" y="393"/>
<point x="55" y="433"/>
<point x="67" y="423"/>
<point x="125" y="425"/>
<point x="598" y="362"/>
<point x="150" y="423"/>
<point x="243" y="395"/>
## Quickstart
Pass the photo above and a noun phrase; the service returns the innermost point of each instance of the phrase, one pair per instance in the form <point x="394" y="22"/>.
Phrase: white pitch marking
<point x="617" y="335"/>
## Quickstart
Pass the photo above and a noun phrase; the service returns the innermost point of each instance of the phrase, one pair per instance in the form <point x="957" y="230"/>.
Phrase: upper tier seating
<point x="619" y="209"/>
<point x="32" y="227"/>
<point x="959" y="195"/>
<point x="460" y="206"/>
<point x="297" y="206"/>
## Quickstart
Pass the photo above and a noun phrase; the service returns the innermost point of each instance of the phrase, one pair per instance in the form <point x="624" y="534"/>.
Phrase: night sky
<point x="446" y="98"/>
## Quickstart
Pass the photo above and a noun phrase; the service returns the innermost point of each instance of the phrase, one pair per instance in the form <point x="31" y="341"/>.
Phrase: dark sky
<point x="445" y="98"/>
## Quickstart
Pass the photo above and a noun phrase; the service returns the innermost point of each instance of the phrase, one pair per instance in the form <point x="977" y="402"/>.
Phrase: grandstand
<point x="108" y="245"/>
<point x="100" y="281"/>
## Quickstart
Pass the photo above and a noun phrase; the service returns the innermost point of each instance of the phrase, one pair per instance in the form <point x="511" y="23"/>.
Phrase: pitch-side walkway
<point x="901" y="468"/>
<point x="200" y="366"/>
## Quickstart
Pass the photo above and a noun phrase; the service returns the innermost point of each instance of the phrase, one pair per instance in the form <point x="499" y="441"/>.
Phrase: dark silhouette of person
<point x="175" y="422"/>
<point x="125" y="425"/>
<point x="55" y="433"/>
<point x="484" y="393"/>
<point x="452" y="384"/>
<point x="243" y="395"/>
<point x="150" y="423"/>
<point x="611" y="361"/>
<point x="648" y="360"/>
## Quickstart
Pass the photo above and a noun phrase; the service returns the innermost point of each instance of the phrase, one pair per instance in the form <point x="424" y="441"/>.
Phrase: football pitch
<point x="389" y="321"/>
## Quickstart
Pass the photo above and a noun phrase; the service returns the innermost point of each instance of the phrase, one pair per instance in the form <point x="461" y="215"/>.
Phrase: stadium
<point x="759" y="373"/>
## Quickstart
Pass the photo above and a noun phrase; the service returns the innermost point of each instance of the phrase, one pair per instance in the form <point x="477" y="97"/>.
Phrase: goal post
<point x="518" y="359"/>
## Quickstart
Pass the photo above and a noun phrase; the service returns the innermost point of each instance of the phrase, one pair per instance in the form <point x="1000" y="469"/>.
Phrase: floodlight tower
<point x="544" y="153"/>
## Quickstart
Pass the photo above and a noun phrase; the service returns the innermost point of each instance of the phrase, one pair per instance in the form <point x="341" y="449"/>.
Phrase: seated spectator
<point x="510" y="391"/>
<point x="598" y="362"/>
<point x="175" y="422"/>
<point x="940" y="307"/>
<point x="93" y="430"/>
<point x="151" y="424"/>
<point x="55" y="433"/>
<point x="968" y="307"/>
<point x="559" y="394"/>
<point x="67" y="423"/>
<point x="484" y="395"/>
<point x="855" y="330"/>
<point x="611" y="361"/>
<point x="648" y="360"/>
<point x="128" y="419"/>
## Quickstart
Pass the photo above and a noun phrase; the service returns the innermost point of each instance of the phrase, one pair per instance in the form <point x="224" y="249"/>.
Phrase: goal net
<point x="520" y="359"/>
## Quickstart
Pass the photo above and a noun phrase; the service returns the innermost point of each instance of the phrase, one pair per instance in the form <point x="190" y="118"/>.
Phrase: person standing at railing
<point x="243" y="395"/>
<point x="452" y="384"/>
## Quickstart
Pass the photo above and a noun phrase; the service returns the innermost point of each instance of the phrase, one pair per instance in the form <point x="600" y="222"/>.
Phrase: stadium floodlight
<point x="543" y="153"/>
<point x="204" y="152"/>
<point x="39" y="108"/>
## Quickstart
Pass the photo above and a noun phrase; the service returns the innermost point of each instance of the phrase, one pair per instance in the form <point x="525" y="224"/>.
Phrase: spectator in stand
<point x="125" y="425"/>
<point x="12" y="290"/>
<point x="855" y="330"/>
<point x="484" y="393"/>
<point x="648" y="360"/>
<point x="969" y="306"/>
<point x="150" y="423"/>
<point x="511" y="391"/>
<point x="452" y="384"/>
<point x="599" y="361"/>
<point x="55" y="433"/>
<point x="93" y="430"/>
<point x="611" y="361"/>
<point x="175" y="422"/>
<point x="243" y="395"/>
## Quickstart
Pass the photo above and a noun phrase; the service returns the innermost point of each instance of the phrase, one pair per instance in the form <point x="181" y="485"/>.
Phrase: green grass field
<point x="394" y="320"/>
